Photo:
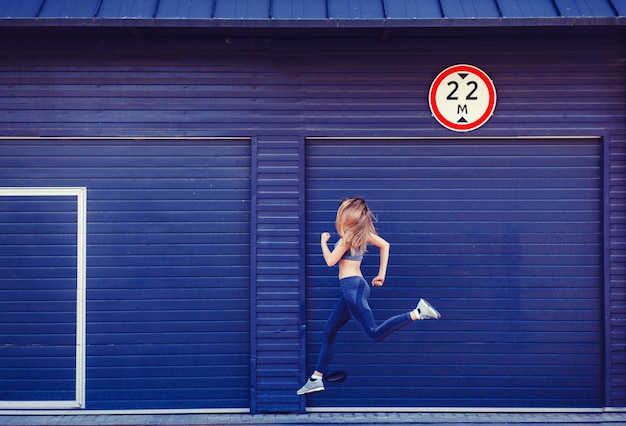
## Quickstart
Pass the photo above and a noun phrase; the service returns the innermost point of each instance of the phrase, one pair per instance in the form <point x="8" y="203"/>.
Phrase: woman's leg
<point x="338" y="318"/>
<point x="356" y="292"/>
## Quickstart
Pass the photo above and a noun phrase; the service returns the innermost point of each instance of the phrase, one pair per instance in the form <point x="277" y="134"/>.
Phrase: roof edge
<point x="313" y="23"/>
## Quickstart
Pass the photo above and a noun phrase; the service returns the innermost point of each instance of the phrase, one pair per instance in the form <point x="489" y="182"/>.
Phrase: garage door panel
<point x="499" y="270"/>
<point x="474" y="183"/>
<point x="536" y="259"/>
<point x="394" y="220"/>
<point x="168" y="266"/>
<point x="496" y="247"/>
<point x="580" y="237"/>
<point x="516" y="320"/>
<point x="473" y="395"/>
<point x="437" y="201"/>
<point x="470" y="172"/>
<point x="517" y="284"/>
<point x="503" y="236"/>
<point x="183" y="238"/>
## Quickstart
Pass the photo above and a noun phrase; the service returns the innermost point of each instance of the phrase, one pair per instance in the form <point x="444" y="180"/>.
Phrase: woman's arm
<point x="333" y="257"/>
<point x="383" y="246"/>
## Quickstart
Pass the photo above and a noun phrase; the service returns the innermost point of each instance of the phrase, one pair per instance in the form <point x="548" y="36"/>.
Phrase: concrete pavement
<point x="577" y="418"/>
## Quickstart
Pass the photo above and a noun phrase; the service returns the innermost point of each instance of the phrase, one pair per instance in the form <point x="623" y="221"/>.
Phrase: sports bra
<point x="348" y="256"/>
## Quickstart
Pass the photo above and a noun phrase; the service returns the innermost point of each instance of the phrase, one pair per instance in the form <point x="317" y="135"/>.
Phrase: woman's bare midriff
<point x="349" y="268"/>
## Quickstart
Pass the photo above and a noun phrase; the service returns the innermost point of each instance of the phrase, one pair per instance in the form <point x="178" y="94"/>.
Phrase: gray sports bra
<point x="348" y="256"/>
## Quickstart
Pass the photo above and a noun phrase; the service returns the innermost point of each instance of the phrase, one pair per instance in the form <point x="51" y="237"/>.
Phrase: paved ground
<point x="440" y="419"/>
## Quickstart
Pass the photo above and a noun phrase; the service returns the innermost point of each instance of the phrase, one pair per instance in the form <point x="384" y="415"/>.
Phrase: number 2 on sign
<point x="470" y="96"/>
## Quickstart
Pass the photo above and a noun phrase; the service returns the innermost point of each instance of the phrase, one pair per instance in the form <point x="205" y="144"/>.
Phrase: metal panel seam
<point x="40" y="9"/>
<point x="497" y="3"/>
<point x="613" y="7"/>
<point x="556" y="7"/>
<point x="95" y="13"/>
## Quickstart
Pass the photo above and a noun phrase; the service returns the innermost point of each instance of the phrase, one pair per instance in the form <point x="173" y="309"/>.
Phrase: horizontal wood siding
<point x="504" y="238"/>
<point x="136" y="88"/>
<point x="168" y="267"/>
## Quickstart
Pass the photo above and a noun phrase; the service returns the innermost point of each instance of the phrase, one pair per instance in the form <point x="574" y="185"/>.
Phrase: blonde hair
<point x="354" y="224"/>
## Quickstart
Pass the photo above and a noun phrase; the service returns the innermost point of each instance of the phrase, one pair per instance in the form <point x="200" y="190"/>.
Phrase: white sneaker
<point x="311" y="386"/>
<point x="426" y="311"/>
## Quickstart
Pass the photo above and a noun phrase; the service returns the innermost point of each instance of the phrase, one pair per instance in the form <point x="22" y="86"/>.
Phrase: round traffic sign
<point x="462" y="98"/>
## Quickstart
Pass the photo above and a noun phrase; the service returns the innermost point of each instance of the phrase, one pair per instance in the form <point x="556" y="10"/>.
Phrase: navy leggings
<point x="353" y="304"/>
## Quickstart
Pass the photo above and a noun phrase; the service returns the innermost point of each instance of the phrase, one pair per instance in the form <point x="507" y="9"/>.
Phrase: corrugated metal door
<point x="503" y="236"/>
<point x="168" y="272"/>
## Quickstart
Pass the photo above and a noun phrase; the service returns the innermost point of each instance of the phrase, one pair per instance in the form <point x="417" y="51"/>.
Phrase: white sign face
<point x="462" y="98"/>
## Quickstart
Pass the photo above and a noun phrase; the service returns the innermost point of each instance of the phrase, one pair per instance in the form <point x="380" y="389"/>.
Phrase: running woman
<point x="355" y="226"/>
